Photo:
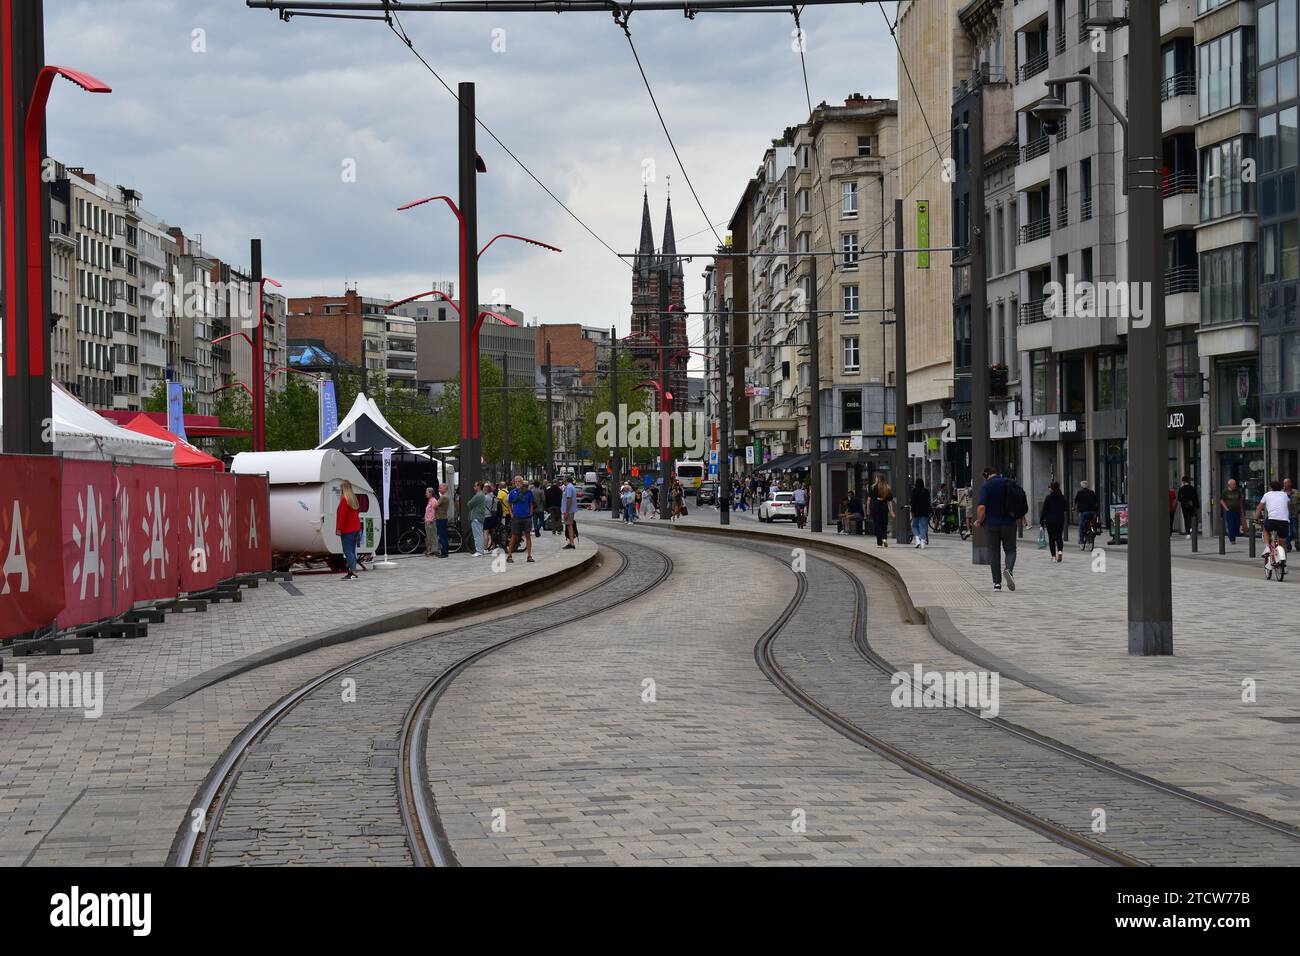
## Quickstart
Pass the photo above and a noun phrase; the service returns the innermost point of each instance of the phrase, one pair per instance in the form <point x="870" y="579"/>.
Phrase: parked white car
<point x="780" y="505"/>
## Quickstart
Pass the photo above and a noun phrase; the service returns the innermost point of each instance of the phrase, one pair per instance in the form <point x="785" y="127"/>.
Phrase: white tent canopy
<point x="365" y="408"/>
<point x="80" y="432"/>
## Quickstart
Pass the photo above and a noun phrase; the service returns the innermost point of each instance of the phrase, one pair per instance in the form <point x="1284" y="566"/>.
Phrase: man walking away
<point x="921" y="514"/>
<point x="430" y="529"/>
<point x="553" y="496"/>
<point x="539" y="509"/>
<point x="1230" y="501"/>
<point x="1002" y="503"/>
<point x="477" y="512"/>
<point x="1190" y="502"/>
<point x="1052" y="517"/>
<point x="442" y="511"/>
<point x="520" y="500"/>
<point x="569" y="510"/>
<point x="1086" y="504"/>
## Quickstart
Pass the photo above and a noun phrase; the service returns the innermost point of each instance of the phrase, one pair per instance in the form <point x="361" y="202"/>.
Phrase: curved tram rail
<point x="427" y="841"/>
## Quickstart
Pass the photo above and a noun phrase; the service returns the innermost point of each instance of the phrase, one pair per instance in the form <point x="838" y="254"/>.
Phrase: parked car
<point x="707" y="493"/>
<point x="780" y="505"/>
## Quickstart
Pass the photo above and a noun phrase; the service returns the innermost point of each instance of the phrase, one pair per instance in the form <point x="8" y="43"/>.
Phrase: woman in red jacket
<point x="347" y="524"/>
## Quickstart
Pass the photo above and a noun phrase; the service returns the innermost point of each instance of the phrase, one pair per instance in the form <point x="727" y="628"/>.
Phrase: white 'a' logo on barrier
<point x="252" y="526"/>
<point x="88" y="534"/>
<point x="224" y="522"/>
<point x="124" y="531"/>
<point x="198" y="523"/>
<point x="156" y="527"/>
<point x="16" y="559"/>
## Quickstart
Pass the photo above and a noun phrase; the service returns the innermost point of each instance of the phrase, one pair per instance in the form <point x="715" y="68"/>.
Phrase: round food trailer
<point x="306" y="487"/>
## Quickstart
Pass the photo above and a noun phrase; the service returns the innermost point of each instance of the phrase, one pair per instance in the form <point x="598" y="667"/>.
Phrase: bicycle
<point x="1275" y="557"/>
<point x="944" y="520"/>
<point x="1090" y="533"/>
<point x="414" y="540"/>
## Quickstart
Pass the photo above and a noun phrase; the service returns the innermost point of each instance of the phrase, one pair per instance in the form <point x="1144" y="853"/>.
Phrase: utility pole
<point x="259" y="376"/>
<point x="814" y="490"/>
<point x="471" y="455"/>
<point x="665" y="323"/>
<point x="505" y="414"/>
<point x="550" y="420"/>
<point x="980" y="450"/>
<point x="1150" y="600"/>
<point x="901" y="530"/>
<point x="617" y="450"/>
<point x="26" y="208"/>
<point x="724" y="416"/>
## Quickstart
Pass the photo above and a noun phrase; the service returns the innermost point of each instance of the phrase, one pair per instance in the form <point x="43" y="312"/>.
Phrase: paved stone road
<point x="1180" y="719"/>
<point x="553" y="739"/>
<point x="114" y="790"/>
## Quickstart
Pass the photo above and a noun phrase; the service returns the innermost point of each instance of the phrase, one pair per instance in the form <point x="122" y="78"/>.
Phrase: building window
<point x="1236" y="393"/>
<point x="1229" y="292"/>
<point x="866" y="145"/>
<point x="1222" y="190"/>
<point x="849" y="297"/>
<point x="1042" y="383"/>
<point x="1225" y="73"/>
<point x="849" y="245"/>
<point x="1184" y="367"/>
<point x="848" y="199"/>
<point x="1112" y="381"/>
<point x="801" y="202"/>
<point x="852" y="355"/>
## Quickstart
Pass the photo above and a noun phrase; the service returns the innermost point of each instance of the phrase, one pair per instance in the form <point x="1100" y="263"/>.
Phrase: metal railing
<point x="1085" y="209"/>
<point x="1039" y="229"/>
<point x="1062" y="216"/>
<point x="1085" y="117"/>
<point x="1033" y="311"/>
<point x="1180" y="182"/>
<point x="1182" y="279"/>
<point x="1060" y="41"/>
<point x="1035" y="148"/>
<point x="1180" y="84"/>
<point x="1033" y="66"/>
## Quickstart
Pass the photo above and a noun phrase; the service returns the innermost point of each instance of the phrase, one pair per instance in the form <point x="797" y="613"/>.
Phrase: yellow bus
<point x="690" y="474"/>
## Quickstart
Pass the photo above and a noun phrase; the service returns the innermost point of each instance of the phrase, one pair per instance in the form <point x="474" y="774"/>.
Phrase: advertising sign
<point x="329" y="410"/>
<point x="923" y="232"/>
<point x="88" y="537"/>
<point x="31" y="566"/>
<point x="176" y="410"/>
<point x="151" y="547"/>
<point x="252" y="530"/>
<point x="198" y="530"/>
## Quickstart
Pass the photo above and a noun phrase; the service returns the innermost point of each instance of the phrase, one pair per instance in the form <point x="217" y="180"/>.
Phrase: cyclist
<point x="1088" y="505"/>
<point x="1273" y="511"/>
<point x="800" y="503"/>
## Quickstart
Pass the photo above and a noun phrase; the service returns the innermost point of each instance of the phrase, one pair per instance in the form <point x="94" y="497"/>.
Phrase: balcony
<point x="1180" y="200"/>
<point x="1033" y="66"/>
<point x="1033" y="311"/>
<point x="1085" y="116"/>
<point x="1035" y="164"/>
<point x="1182" y="279"/>
<point x="1182" y="296"/>
<point x="1033" y="231"/>
<point x="1178" y="106"/>
<point x="1180" y="84"/>
<point x="1085" y="209"/>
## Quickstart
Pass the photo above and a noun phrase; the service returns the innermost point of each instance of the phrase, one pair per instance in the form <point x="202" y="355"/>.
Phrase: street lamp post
<point x="26" y="83"/>
<point x="1150" y="598"/>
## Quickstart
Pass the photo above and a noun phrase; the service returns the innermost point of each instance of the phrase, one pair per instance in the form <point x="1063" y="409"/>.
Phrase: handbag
<point x="1042" y="538"/>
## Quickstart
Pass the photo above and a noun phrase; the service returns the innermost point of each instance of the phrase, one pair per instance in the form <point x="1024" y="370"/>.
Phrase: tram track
<point x="414" y="802"/>
<point x="767" y="661"/>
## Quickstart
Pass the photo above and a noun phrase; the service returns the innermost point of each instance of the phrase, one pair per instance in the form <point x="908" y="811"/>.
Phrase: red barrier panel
<point x="223" y="517"/>
<point x="31" y="552"/>
<point x="152" y="546"/>
<point x="125" y="519"/>
<point x="198" y="529"/>
<point x="88" y="542"/>
<point x="252" y="530"/>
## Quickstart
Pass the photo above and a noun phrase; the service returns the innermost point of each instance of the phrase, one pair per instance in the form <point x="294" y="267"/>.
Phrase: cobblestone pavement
<point x="114" y="789"/>
<point x="320" y="787"/>
<point x="557" y="742"/>
<point x="1181" y="719"/>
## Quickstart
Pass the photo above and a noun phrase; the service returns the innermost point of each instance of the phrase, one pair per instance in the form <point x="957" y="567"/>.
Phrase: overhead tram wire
<point x="400" y="32"/>
<point x="621" y="17"/>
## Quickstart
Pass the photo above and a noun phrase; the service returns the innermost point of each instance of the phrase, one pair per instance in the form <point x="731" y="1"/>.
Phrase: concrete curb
<point x="393" y="621"/>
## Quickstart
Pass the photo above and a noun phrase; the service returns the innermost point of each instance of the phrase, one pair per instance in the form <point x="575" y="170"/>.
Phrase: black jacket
<point x="920" y="502"/>
<point x="1053" y="510"/>
<point x="554" y="496"/>
<point x="1086" y="500"/>
<point x="1187" y="497"/>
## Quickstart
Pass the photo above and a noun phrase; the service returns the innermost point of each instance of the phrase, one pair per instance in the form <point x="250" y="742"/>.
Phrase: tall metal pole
<point x="550" y="420"/>
<point x="26" y="265"/>
<point x="815" y="406"/>
<point x="981" y="449"/>
<point x="616" y="452"/>
<point x="471" y="455"/>
<point x="259" y="379"/>
<point x="901" y="529"/>
<point x="505" y="415"/>
<point x="1150" y="600"/>
<point x="724" y="414"/>
<point x="664" y="328"/>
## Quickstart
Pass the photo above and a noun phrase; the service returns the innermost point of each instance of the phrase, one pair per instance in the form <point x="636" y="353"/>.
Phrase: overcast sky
<point x="250" y="137"/>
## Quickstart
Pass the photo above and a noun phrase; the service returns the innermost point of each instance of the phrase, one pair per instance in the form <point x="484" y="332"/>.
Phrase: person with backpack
<point x="1002" y="504"/>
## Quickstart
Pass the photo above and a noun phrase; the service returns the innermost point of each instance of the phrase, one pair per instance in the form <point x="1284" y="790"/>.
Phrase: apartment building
<point x="63" y="257"/>
<point x="86" y="352"/>
<point x="934" y="58"/>
<point x="719" y="306"/>
<point x="361" y="330"/>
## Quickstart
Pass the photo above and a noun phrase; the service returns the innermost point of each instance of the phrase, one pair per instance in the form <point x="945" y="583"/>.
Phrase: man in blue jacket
<point x="999" y="526"/>
<point x="520" y="501"/>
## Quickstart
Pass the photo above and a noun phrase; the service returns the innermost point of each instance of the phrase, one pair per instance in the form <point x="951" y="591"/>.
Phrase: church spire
<point x="670" y="260"/>
<point x="646" y="252"/>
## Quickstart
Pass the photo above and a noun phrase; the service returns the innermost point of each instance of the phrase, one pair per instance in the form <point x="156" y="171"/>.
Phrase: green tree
<point x="292" y="416"/>
<point x="157" y="400"/>
<point x="630" y="395"/>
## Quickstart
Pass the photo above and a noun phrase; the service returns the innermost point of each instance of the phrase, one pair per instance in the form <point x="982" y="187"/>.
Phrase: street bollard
<point x="1196" y="533"/>
<point x="1223" y="530"/>
<point x="1252" y="537"/>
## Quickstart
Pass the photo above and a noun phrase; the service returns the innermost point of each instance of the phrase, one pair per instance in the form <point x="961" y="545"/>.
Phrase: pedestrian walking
<point x="539" y="508"/>
<point x="1231" y="501"/>
<point x="430" y="529"/>
<point x="676" y="500"/>
<point x="520" y="500"/>
<point x="1190" y="502"/>
<point x="627" y="498"/>
<point x="1001" y="506"/>
<point x="1087" y="504"/>
<point x="442" y="513"/>
<point x="569" y="512"/>
<point x="553" y="496"/>
<point x="800" y="505"/>
<point x="491" y="515"/>
<point x="882" y="509"/>
<point x="347" y="525"/>
<point x="477" y="512"/>
<point x="1052" y="517"/>
<point x="921" y="514"/>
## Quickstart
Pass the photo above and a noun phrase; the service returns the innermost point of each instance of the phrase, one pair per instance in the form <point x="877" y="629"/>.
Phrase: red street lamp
<point x="258" y="392"/>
